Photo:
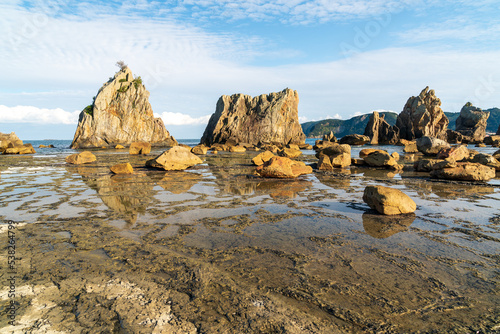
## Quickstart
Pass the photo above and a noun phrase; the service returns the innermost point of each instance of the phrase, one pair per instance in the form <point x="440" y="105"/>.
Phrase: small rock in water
<point x="125" y="168"/>
<point x="139" y="148"/>
<point x="81" y="158"/>
<point x="388" y="201"/>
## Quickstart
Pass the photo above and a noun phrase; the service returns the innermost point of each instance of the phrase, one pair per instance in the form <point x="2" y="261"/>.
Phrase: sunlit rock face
<point x="121" y="114"/>
<point x="264" y="119"/>
<point x="422" y="116"/>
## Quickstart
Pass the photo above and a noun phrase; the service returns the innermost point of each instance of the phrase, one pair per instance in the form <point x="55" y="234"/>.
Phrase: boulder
<point x="457" y="153"/>
<point x="199" y="150"/>
<point x="472" y="122"/>
<point x="46" y="146"/>
<point x="491" y="140"/>
<point x="321" y="144"/>
<point x="341" y="160"/>
<point x="454" y="137"/>
<point x="486" y="159"/>
<point x="381" y="158"/>
<point x="290" y="153"/>
<point x="139" y="148"/>
<point x="380" y="132"/>
<point x="431" y="145"/>
<point x="271" y="118"/>
<point x="366" y="151"/>
<point x="22" y="149"/>
<point x="422" y="116"/>
<point x="263" y="157"/>
<point x="324" y="163"/>
<point x="125" y="168"/>
<point x="9" y="140"/>
<point x="465" y="171"/>
<point x="410" y="147"/>
<point x="305" y="146"/>
<point x="84" y="157"/>
<point x="237" y="149"/>
<point x="496" y="155"/>
<point x="283" y="168"/>
<point x="388" y="201"/>
<point x="330" y="137"/>
<point x="176" y="158"/>
<point x="395" y="155"/>
<point x="354" y="139"/>
<point x="121" y="113"/>
<point x="119" y="147"/>
<point x="426" y="165"/>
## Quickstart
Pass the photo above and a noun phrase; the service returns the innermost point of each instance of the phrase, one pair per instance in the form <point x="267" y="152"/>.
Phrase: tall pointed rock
<point x="121" y="114"/>
<point x="422" y="116"/>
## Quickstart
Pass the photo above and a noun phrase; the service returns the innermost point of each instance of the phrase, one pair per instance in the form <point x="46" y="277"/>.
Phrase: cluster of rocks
<point x="422" y="116"/>
<point x="11" y="144"/>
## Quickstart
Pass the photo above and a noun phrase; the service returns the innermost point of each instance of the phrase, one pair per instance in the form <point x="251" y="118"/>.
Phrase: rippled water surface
<point x="214" y="249"/>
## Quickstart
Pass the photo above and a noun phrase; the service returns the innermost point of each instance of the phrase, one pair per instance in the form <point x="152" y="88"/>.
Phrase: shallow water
<point x="216" y="249"/>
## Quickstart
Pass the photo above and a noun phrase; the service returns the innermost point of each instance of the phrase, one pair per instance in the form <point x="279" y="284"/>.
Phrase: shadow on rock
<point x="381" y="227"/>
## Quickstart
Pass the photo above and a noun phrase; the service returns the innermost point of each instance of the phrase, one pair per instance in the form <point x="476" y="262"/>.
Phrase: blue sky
<point x="344" y="58"/>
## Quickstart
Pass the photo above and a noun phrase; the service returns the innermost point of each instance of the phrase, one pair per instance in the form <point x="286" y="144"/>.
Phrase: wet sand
<point x="214" y="249"/>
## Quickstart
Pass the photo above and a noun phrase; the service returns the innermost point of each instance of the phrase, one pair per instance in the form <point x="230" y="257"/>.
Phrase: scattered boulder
<point x="121" y="113"/>
<point x="119" y="147"/>
<point x="46" y="146"/>
<point x="465" y="171"/>
<point x="271" y="118"/>
<point x="237" y="149"/>
<point x="199" y="150"/>
<point x="305" y="146"/>
<point x="9" y="140"/>
<point x="139" y="148"/>
<point x="472" y="122"/>
<point x="381" y="158"/>
<point x="457" y="153"/>
<point x="291" y="153"/>
<point x="422" y="116"/>
<point x="125" y="168"/>
<point x="330" y="137"/>
<point x="84" y="157"/>
<point x="263" y="157"/>
<point x="380" y="132"/>
<point x="492" y="140"/>
<point x="454" y="137"/>
<point x="431" y="145"/>
<point x="354" y="139"/>
<point x="324" y="163"/>
<point x="426" y="165"/>
<point x="22" y="149"/>
<point x="496" y="155"/>
<point x="486" y="159"/>
<point x="395" y="155"/>
<point x="341" y="160"/>
<point x="366" y="151"/>
<point x="388" y="201"/>
<point x="283" y="168"/>
<point x="176" y="158"/>
<point x="321" y="144"/>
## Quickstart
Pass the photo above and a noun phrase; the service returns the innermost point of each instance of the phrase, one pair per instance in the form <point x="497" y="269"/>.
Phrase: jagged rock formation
<point x="380" y="132"/>
<point x="472" y="122"/>
<point x="265" y="119"/>
<point x="120" y="114"/>
<point x="422" y="116"/>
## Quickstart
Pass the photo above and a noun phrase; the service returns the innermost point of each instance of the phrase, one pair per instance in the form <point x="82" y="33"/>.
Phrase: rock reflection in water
<point x="176" y="182"/>
<point x="381" y="227"/>
<point x="450" y="190"/>
<point x="127" y="195"/>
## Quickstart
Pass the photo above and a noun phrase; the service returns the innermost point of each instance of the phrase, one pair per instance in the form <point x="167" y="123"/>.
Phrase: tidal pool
<point x="215" y="249"/>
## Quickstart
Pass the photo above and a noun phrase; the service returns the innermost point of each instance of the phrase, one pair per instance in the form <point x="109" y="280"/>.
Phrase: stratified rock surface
<point x="271" y="118"/>
<point x="472" y="122"/>
<point x="381" y="132"/>
<point x="422" y="116"/>
<point x="121" y="114"/>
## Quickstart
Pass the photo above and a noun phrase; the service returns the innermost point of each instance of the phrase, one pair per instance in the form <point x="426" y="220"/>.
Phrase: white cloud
<point x="30" y="114"/>
<point x="176" y="118"/>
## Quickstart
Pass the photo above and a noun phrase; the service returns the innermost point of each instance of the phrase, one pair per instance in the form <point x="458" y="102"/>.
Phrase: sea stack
<point x="120" y="114"/>
<point x="472" y="122"/>
<point x="261" y="120"/>
<point x="422" y="116"/>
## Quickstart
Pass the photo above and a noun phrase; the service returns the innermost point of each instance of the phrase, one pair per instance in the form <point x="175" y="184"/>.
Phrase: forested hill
<point x="342" y="128"/>
<point x="358" y="124"/>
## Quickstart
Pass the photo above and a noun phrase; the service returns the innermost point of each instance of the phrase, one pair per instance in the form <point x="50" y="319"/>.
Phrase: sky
<point x="344" y="57"/>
